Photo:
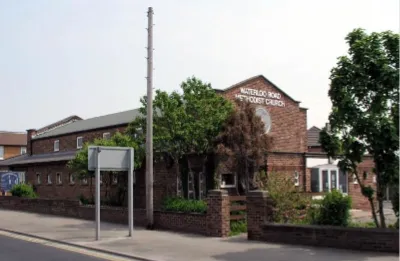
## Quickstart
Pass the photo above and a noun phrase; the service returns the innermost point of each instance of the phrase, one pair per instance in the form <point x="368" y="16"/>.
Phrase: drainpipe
<point x="328" y="130"/>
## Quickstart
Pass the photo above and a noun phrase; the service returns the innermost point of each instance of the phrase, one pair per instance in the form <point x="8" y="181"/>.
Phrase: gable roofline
<point x="95" y="123"/>
<point x="257" y="77"/>
<point x="314" y="127"/>
<point x="57" y="124"/>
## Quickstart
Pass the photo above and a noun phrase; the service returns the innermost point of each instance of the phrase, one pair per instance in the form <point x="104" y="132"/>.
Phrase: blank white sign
<point x="111" y="158"/>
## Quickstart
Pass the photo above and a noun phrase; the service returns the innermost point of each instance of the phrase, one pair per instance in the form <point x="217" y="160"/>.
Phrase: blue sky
<point x="87" y="57"/>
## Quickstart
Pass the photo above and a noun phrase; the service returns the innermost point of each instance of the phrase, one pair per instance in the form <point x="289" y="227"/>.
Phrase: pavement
<point x="168" y="246"/>
<point x="366" y="216"/>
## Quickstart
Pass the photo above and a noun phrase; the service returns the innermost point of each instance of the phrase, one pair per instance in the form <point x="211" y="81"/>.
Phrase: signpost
<point x="111" y="159"/>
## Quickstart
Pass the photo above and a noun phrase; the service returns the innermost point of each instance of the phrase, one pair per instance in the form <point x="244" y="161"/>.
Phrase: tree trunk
<point x="379" y="195"/>
<point x="247" y="176"/>
<point x="371" y="202"/>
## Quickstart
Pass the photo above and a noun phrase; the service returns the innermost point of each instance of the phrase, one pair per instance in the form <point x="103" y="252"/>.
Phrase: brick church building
<point x="295" y="151"/>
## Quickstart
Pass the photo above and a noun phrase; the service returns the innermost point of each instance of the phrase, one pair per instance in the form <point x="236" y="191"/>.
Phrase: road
<point x="12" y="249"/>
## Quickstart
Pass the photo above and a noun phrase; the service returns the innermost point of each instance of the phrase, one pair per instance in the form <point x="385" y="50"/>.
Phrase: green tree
<point x="365" y="118"/>
<point x="79" y="165"/>
<point x="183" y="123"/>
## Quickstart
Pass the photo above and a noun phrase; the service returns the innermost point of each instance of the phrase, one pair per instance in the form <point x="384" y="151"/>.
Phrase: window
<point x="374" y="179"/>
<point x="355" y="181"/>
<point x="106" y="136"/>
<point x="79" y="142"/>
<point x="1" y="152"/>
<point x="114" y="179"/>
<point x="49" y="179"/>
<point x="23" y="150"/>
<point x="71" y="178"/>
<point x="59" y="178"/>
<point x="228" y="180"/>
<point x="84" y="181"/>
<point x="296" y="178"/>
<point x="56" y="145"/>
<point x="38" y="178"/>
<point x="101" y="179"/>
<point x="327" y="178"/>
<point x="265" y="118"/>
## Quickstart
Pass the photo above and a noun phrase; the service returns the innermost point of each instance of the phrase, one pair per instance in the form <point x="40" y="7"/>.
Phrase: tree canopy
<point x="365" y="109"/>
<point x="80" y="163"/>
<point x="244" y="141"/>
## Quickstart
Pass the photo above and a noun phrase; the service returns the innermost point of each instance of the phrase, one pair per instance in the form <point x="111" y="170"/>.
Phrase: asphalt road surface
<point x="12" y="249"/>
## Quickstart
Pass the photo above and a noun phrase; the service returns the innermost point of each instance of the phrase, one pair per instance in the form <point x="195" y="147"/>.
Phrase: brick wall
<point x="214" y="223"/>
<point x="289" y="123"/>
<point x="181" y="222"/>
<point x="68" y="142"/>
<point x="259" y="228"/>
<point x="368" y="239"/>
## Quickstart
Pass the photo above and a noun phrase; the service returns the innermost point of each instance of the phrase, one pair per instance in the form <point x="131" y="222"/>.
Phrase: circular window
<point x="264" y="115"/>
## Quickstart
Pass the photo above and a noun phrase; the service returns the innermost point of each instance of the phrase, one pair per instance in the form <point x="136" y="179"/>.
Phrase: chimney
<point x="30" y="133"/>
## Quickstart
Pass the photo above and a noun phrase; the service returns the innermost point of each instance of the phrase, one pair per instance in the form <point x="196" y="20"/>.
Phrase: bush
<point x="177" y="204"/>
<point x="289" y="204"/>
<point x="334" y="210"/>
<point x="23" y="190"/>
<point x="238" y="227"/>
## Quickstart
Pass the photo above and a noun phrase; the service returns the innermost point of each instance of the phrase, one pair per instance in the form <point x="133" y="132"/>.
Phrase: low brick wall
<point x="182" y="222"/>
<point x="369" y="239"/>
<point x="260" y="228"/>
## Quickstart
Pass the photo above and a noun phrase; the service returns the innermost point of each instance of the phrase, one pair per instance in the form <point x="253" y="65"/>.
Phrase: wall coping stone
<point x="216" y="192"/>
<point x="337" y="228"/>
<point x="258" y="193"/>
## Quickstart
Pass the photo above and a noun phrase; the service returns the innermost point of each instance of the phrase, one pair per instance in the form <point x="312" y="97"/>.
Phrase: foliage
<point x="365" y="110"/>
<point x="244" y="142"/>
<point x="178" y="204"/>
<point x="238" y="227"/>
<point x="289" y="205"/>
<point x="183" y="123"/>
<point x="80" y="163"/>
<point x="395" y="203"/>
<point x="334" y="210"/>
<point x="23" y="190"/>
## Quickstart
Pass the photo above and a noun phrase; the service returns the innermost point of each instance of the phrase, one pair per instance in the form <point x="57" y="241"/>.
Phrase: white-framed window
<point x="84" y="181"/>
<point x="296" y="178"/>
<point x="106" y="135"/>
<point x="374" y="179"/>
<point x="56" y="145"/>
<point x="48" y="178"/>
<point x="38" y="181"/>
<point x="71" y="178"/>
<point x="79" y="142"/>
<point x="59" y="178"/>
<point x="328" y="179"/>
<point x="228" y="180"/>
<point x="1" y="152"/>
<point x="23" y="150"/>
<point x="355" y="181"/>
<point x="114" y="178"/>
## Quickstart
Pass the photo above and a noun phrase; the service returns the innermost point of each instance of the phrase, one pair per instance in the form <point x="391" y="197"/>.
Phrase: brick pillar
<point x="259" y="211"/>
<point x="218" y="213"/>
<point x="29" y="135"/>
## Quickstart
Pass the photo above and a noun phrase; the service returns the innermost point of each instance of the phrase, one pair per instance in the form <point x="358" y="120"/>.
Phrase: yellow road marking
<point x="66" y="247"/>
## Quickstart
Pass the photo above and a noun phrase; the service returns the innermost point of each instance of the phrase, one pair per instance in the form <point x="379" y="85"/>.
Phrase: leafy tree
<point x="79" y="165"/>
<point x="243" y="144"/>
<point x="183" y="123"/>
<point x="365" y="117"/>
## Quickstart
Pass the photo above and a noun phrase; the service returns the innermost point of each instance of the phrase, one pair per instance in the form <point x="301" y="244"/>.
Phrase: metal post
<point x="149" y="138"/>
<point x="130" y="192"/>
<point x="97" y="196"/>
